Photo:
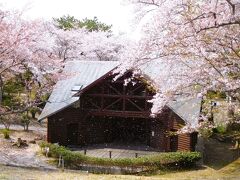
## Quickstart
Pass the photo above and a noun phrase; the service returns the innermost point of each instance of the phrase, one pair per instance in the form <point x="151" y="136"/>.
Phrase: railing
<point x="112" y="153"/>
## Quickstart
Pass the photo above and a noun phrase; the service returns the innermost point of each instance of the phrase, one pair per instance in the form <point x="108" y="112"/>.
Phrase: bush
<point x="6" y="133"/>
<point x="221" y="129"/>
<point x="25" y="121"/>
<point x="158" y="161"/>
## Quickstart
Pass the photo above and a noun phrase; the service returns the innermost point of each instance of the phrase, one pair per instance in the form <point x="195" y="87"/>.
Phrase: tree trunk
<point x="27" y="126"/>
<point x="1" y="89"/>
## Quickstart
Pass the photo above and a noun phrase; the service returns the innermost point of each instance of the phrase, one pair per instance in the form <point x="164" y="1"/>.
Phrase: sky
<point x="108" y="11"/>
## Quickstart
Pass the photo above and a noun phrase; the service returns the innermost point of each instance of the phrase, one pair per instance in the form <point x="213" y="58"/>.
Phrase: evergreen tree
<point x="68" y="22"/>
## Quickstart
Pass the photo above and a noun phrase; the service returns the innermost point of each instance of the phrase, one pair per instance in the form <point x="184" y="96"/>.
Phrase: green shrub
<point x="221" y="129"/>
<point x="157" y="161"/>
<point x="6" y="133"/>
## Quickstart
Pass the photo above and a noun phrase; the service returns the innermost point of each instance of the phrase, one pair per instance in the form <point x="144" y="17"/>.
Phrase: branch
<point x="20" y="110"/>
<point x="219" y="25"/>
<point x="232" y="5"/>
<point x="148" y="3"/>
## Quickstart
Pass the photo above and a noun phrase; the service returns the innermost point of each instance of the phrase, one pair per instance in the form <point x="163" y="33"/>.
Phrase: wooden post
<point x="61" y="163"/>
<point x="46" y="149"/>
<point x="136" y="155"/>
<point x="85" y="151"/>
<point x="110" y="154"/>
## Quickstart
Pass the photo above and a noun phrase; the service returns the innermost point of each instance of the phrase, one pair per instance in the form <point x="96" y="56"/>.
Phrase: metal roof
<point x="82" y="74"/>
<point x="188" y="109"/>
<point x="86" y="72"/>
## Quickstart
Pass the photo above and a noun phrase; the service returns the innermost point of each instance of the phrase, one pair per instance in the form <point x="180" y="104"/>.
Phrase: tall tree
<point x="94" y="25"/>
<point x="198" y="39"/>
<point x="68" y="22"/>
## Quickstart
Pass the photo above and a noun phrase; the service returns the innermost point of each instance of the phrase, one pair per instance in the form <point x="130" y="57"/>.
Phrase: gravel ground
<point x="37" y="128"/>
<point x="22" y="157"/>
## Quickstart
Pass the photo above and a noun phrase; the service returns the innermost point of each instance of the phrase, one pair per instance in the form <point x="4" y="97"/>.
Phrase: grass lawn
<point x="231" y="171"/>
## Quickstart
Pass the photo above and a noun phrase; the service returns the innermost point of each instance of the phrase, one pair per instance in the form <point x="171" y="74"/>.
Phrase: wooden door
<point x="174" y="143"/>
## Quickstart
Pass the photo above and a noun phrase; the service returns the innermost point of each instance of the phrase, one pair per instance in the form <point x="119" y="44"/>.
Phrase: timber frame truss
<point x="113" y="98"/>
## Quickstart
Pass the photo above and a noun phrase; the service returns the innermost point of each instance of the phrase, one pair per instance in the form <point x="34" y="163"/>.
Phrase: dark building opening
<point x="72" y="133"/>
<point x="118" y="130"/>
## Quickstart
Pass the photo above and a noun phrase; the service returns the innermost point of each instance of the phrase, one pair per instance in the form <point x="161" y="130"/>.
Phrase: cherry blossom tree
<point x="84" y="44"/>
<point x="25" y="45"/>
<point x="195" y="41"/>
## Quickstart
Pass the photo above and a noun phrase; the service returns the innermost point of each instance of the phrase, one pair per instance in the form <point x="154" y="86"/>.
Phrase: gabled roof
<point x="83" y="74"/>
<point x="87" y="72"/>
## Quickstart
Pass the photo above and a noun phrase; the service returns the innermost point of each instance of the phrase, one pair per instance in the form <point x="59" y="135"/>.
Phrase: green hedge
<point x="161" y="160"/>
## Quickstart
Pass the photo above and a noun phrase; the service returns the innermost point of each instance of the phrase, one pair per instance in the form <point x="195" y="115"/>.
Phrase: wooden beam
<point x="145" y="95"/>
<point x="114" y="102"/>
<point x="135" y="114"/>
<point x="95" y="105"/>
<point x="120" y="96"/>
<point x="136" y="88"/>
<point x="113" y="89"/>
<point x="133" y="103"/>
<point x="102" y="98"/>
<point x="124" y="98"/>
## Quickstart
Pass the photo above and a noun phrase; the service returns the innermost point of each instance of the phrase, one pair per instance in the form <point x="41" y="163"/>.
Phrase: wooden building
<point x="90" y="107"/>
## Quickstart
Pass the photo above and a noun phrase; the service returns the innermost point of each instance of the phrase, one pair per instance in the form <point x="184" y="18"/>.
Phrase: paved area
<point x="217" y="155"/>
<point x="116" y="150"/>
